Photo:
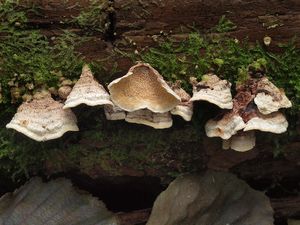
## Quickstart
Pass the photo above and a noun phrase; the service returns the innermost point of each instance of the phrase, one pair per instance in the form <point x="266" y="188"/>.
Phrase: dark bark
<point x="138" y="24"/>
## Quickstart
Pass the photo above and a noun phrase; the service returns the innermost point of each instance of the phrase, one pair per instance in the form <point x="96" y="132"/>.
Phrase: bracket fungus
<point x="113" y="112"/>
<point x="212" y="198"/>
<point x="241" y="142"/>
<point x="248" y="115"/>
<point x="43" y="118"/>
<point x="185" y="107"/>
<point x="146" y="117"/>
<point x="143" y="88"/>
<point x="87" y="91"/>
<point x="270" y="98"/>
<point x="54" y="203"/>
<point x="214" y="90"/>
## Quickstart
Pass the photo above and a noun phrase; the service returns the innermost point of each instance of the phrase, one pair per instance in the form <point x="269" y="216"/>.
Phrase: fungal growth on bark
<point x="143" y="88"/>
<point x="87" y="91"/>
<point x="43" y="118"/>
<point x="212" y="89"/>
<point x="211" y="198"/>
<point x="270" y="98"/>
<point x="54" y="203"/>
<point x="143" y="97"/>
<point x="185" y="107"/>
<point x="255" y="107"/>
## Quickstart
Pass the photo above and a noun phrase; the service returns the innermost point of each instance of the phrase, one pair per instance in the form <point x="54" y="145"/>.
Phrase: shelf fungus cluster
<point x="143" y="97"/>
<point x="255" y="107"/>
<point x="43" y="118"/>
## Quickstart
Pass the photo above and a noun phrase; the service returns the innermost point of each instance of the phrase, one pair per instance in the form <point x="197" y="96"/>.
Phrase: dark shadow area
<point x="119" y="193"/>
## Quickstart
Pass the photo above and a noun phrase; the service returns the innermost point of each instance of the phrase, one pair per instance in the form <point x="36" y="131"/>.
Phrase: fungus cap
<point x="185" y="107"/>
<point x="224" y="128"/>
<point x="214" y="90"/>
<point x="43" y="119"/>
<point x="273" y="123"/>
<point x="148" y="118"/>
<point x="143" y="88"/>
<point x="270" y="98"/>
<point x="87" y="91"/>
<point x="241" y="142"/>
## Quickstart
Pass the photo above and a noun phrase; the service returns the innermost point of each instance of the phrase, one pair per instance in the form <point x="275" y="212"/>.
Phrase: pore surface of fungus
<point x="43" y="119"/>
<point x="87" y="91"/>
<point x="215" y="198"/>
<point x="214" y="90"/>
<point x="54" y="203"/>
<point x="143" y="88"/>
<point x="273" y="123"/>
<point x="241" y="142"/>
<point x="146" y="117"/>
<point x="114" y="112"/>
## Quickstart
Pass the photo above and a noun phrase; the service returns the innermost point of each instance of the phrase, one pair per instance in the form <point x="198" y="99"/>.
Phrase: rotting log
<point x="139" y="24"/>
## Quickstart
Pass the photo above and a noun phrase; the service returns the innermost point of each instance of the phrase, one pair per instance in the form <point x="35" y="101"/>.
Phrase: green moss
<point x="224" y="25"/>
<point x="95" y="18"/>
<point x="30" y="61"/>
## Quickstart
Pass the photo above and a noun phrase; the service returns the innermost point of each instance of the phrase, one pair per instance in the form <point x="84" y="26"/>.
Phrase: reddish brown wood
<point x="286" y="207"/>
<point x="139" y="24"/>
<point x="135" y="217"/>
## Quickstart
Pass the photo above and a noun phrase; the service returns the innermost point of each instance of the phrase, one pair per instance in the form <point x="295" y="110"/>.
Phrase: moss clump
<point x="95" y="19"/>
<point x="30" y="61"/>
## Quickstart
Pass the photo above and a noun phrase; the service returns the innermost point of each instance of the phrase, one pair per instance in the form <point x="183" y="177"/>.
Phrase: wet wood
<point x="140" y="24"/>
<point x="284" y="207"/>
<point x="135" y="217"/>
<point x="141" y="20"/>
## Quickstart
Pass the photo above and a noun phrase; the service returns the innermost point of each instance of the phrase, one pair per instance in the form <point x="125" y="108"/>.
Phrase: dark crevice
<point x="110" y="35"/>
<point x="119" y="193"/>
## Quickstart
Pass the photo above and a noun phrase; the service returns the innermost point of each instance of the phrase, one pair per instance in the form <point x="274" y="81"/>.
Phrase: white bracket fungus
<point x="270" y="98"/>
<point x="43" y="119"/>
<point x="143" y="88"/>
<point x="214" y="90"/>
<point x="255" y="107"/>
<point x="185" y="107"/>
<point x="146" y="117"/>
<point x="87" y="91"/>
